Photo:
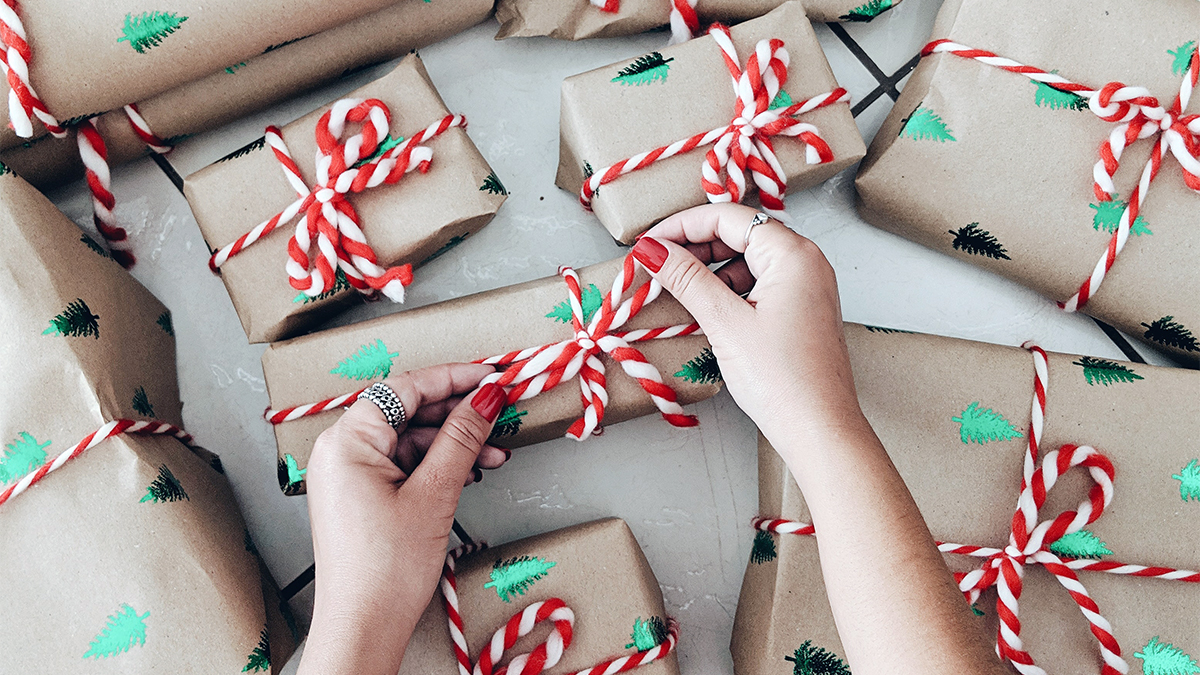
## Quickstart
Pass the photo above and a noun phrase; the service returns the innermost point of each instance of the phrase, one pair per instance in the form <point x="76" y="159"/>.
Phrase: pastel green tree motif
<point x="1166" y="331"/>
<point x="165" y="488"/>
<point x="369" y="362"/>
<point x="339" y="284"/>
<point x="1105" y="372"/>
<point x="1080" y="544"/>
<point x="1189" y="481"/>
<point x="259" y="660"/>
<point x="1057" y="99"/>
<point x="926" y="125"/>
<point x="21" y="457"/>
<point x="977" y="241"/>
<point x="493" y="185"/>
<point x="781" y="100"/>
<point x="867" y="11"/>
<point x="810" y="659"/>
<point x="388" y="143"/>
<point x="291" y="476"/>
<point x="515" y="575"/>
<point x="763" y="548"/>
<point x="509" y="422"/>
<point x="166" y="324"/>
<point x="141" y="403"/>
<point x="1108" y="217"/>
<point x="148" y="29"/>
<point x="647" y="634"/>
<point x="124" y="629"/>
<point x="644" y="70"/>
<point x="591" y="300"/>
<point x="76" y="320"/>
<point x="1181" y="57"/>
<point x="887" y="331"/>
<point x="982" y="425"/>
<point x="703" y="369"/>
<point x="1164" y="658"/>
<point x="91" y="244"/>
<point x="454" y="241"/>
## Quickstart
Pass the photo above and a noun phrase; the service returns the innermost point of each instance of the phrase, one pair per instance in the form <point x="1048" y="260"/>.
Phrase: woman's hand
<point x="382" y="503"/>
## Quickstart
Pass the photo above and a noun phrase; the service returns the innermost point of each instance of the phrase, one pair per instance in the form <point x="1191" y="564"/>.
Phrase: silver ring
<point x="385" y="398"/>
<point x="758" y="219"/>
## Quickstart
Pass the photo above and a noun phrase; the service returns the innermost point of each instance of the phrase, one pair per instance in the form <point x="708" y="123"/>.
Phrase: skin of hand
<point x="782" y="353"/>
<point x="382" y="503"/>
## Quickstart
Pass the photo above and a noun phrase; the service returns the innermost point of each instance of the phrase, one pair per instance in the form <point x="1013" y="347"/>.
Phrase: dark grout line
<point x="866" y="101"/>
<point x="166" y="167"/>
<point x="858" y="52"/>
<point x="894" y="80"/>
<point x="1119" y="340"/>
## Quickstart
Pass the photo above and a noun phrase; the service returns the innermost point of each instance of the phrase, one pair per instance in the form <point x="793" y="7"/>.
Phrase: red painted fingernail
<point x="507" y="454"/>
<point x="650" y="253"/>
<point x="488" y="401"/>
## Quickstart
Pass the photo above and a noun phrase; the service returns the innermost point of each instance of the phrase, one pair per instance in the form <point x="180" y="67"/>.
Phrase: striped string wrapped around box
<point x="745" y="143"/>
<point x="683" y="19"/>
<point x="1030" y="541"/>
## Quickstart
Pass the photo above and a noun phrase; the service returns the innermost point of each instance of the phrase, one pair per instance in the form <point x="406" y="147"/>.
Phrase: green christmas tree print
<point x="591" y="300"/>
<point x="141" y="404"/>
<point x="148" y="29"/>
<point x="388" y="143"/>
<point x="1105" y="372"/>
<point x="781" y="100"/>
<point x="644" y="70"/>
<point x="493" y="185"/>
<point x="703" y="369"/>
<point x="976" y="611"/>
<point x="256" y="144"/>
<point x="76" y="320"/>
<point x="285" y="43"/>
<point x="1166" y="331"/>
<point x="1108" y="217"/>
<point x="812" y="660"/>
<point x="291" y="476"/>
<point x="234" y="68"/>
<point x="91" y="244"/>
<point x="1057" y="99"/>
<point x="509" y="422"/>
<point x="454" y="241"/>
<point x="926" y="125"/>
<point x="982" y="425"/>
<point x="165" y="488"/>
<point x="124" y="629"/>
<point x="976" y="241"/>
<point x="515" y="575"/>
<point x="647" y="634"/>
<point x="369" y="362"/>
<point x="1181" y="57"/>
<point x="1163" y="658"/>
<point x="259" y="660"/>
<point x="763" y="548"/>
<point x="5" y="169"/>
<point x="1189" y="481"/>
<point x="867" y="11"/>
<point x="339" y="284"/>
<point x="164" y="322"/>
<point x="1081" y="544"/>
<point x="887" y="331"/>
<point x="21" y="457"/>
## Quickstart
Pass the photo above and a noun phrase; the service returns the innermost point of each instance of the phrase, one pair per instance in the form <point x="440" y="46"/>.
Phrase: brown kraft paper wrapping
<point x="260" y="82"/>
<point x="605" y="121"/>
<point x="1146" y="420"/>
<point x="598" y="570"/>
<point x="475" y="327"/>
<point x="405" y="223"/>
<point x="1023" y="171"/>
<point x="90" y="538"/>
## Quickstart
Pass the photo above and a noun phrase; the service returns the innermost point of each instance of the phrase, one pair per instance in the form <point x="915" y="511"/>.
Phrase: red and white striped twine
<point x="683" y="19"/>
<point x="745" y="143"/>
<point x="1138" y="115"/>
<point x="327" y="219"/>
<point x="547" y="654"/>
<point x="122" y="426"/>
<point x="529" y="372"/>
<point x="1030" y="540"/>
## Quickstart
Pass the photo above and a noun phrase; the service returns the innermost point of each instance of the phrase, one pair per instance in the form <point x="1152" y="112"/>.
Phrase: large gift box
<point x="404" y="223"/>
<point x="612" y="115"/>
<point x="130" y="557"/>
<point x="958" y="430"/>
<point x="310" y="378"/>
<point x="1011" y="172"/>
<point x="589" y="583"/>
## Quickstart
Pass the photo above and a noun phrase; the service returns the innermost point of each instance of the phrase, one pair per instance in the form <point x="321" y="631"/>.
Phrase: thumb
<point x="440" y="476"/>
<point x="715" y="307"/>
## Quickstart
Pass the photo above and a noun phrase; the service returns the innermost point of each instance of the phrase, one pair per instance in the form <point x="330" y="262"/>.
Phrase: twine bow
<point x="745" y="143"/>
<point x="1137" y="116"/>
<point x="683" y="19"/>
<point x="329" y="221"/>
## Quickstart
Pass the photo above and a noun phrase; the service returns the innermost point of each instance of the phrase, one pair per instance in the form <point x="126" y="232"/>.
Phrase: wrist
<point x="350" y="637"/>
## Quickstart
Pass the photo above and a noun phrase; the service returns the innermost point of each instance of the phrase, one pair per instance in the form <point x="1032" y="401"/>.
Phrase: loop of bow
<point x="683" y="19"/>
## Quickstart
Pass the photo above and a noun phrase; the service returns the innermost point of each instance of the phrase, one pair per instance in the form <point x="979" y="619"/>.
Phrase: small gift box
<point x="123" y="547"/>
<point x="1016" y="147"/>
<point x="646" y="138"/>
<point x="425" y="188"/>
<point x="1116" y="518"/>
<point x="590" y="583"/>
<point x="542" y="334"/>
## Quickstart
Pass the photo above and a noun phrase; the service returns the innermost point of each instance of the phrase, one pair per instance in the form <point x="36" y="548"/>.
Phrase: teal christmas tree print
<point x="1166" y="331"/>
<point x="165" y="488"/>
<point x="339" y="284"/>
<point x="290" y="475"/>
<point x="982" y="425"/>
<point x="141" y="403"/>
<point x="369" y="362"/>
<point x="926" y="125"/>
<point x="125" y="629"/>
<point x="22" y="456"/>
<point x="1181" y="57"/>
<point x="867" y="11"/>
<point x="388" y="143"/>
<point x="763" y="548"/>
<point x="976" y="241"/>
<point x="76" y="320"/>
<point x="591" y="300"/>
<point x="703" y="369"/>
<point x="781" y="100"/>
<point x="509" y="422"/>
<point x="647" y="634"/>
<point x="164" y="322"/>
<point x="91" y="244"/>
<point x="515" y="576"/>
<point x="259" y="660"/>
<point x="1163" y="658"/>
<point x="1108" y="217"/>
<point x="1189" y="481"/>
<point x="493" y="185"/>
<point x="1057" y="99"/>
<point x="812" y="660"/>
<point x="1080" y="544"/>
<point x="1105" y="372"/>
<point x="644" y="70"/>
<point x="148" y="29"/>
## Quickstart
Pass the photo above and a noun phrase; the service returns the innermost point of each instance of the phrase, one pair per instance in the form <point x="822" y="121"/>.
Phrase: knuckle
<point x="465" y="434"/>
<point x="682" y="277"/>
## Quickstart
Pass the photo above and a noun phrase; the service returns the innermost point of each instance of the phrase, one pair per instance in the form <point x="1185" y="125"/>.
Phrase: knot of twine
<point x="745" y="143"/>
<point x="683" y="18"/>
<point x="1137" y="115"/>
<point x="547" y="654"/>
<point x="327" y="219"/>
<point x="1030" y="541"/>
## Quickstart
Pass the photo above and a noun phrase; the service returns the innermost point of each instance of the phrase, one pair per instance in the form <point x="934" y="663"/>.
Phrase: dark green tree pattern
<point x="259" y="660"/>
<point x="867" y="11"/>
<point x="1166" y="331"/>
<point x="1164" y="658"/>
<point x="976" y="241"/>
<point x="76" y="320"/>
<point x="291" y="476"/>
<point x="285" y="43"/>
<point x="5" y="169"/>
<point x="1080" y="544"/>
<point x="591" y="300"/>
<point x="1181" y="57"/>
<point x="21" y="457"/>
<point x="165" y="488"/>
<point x="812" y="660"/>
<point x="164" y="322"/>
<point x="339" y="284"/>
<point x="96" y="248"/>
<point x="887" y="331"/>
<point x="926" y="125"/>
<point x="1107" y="217"/>
<point x="148" y="29"/>
<point x="703" y="369"/>
<point x="647" y="634"/>
<point x="1057" y="99"/>
<point x="124" y="629"/>
<point x="515" y="575"/>
<point x="1189" y="481"/>
<point x="763" y="548"/>
<point x="370" y="361"/>
<point x="141" y="403"/>
<point x="509" y="422"/>
<point x="644" y="70"/>
<point x="1105" y="372"/>
<point x="493" y="185"/>
<point x="982" y="425"/>
<point x="256" y="144"/>
<point x="454" y="241"/>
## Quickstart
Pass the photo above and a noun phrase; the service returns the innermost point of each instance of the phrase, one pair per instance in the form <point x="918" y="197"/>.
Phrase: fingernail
<point x="650" y="253"/>
<point x="507" y="453"/>
<point x="478" y="475"/>
<point x="488" y="401"/>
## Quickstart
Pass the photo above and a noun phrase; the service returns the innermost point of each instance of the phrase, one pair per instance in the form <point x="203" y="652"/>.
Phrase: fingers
<point x="736" y="275"/>
<point x="414" y="444"/>
<point x="426" y="386"/>
<point x="715" y="307"/>
<point x="725" y="223"/>
<point x="452" y="455"/>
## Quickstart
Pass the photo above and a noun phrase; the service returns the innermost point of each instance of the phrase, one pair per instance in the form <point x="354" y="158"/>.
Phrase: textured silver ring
<point x="758" y="219"/>
<point x="385" y="398"/>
